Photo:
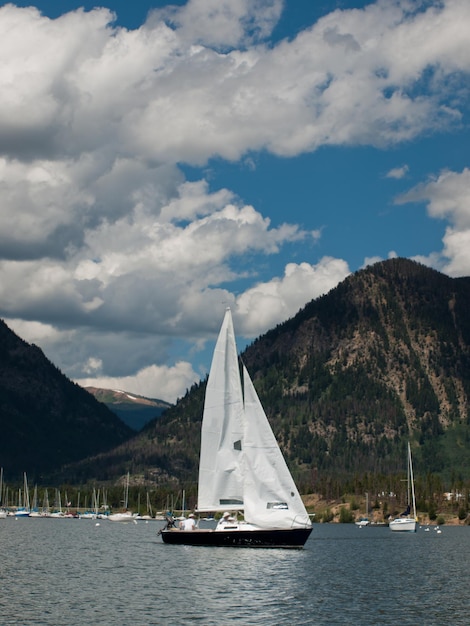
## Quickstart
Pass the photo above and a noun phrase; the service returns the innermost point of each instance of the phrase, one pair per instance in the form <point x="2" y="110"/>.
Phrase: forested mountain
<point x="45" y="419"/>
<point x="382" y="358"/>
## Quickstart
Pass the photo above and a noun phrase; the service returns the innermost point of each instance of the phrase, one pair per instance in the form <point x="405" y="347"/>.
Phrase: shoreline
<point x="329" y="511"/>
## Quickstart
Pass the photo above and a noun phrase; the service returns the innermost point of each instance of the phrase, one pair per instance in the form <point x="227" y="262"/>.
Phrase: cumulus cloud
<point x="373" y="76"/>
<point x="266" y="304"/>
<point x="447" y="197"/>
<point x="113" y="254"/>
<point x="164" y="383"/>
<point x="222" y="23"/>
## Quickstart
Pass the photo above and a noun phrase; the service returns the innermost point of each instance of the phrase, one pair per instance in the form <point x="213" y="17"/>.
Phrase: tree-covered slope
<point x="45" y="419"/>
<point x="383" y="357"/>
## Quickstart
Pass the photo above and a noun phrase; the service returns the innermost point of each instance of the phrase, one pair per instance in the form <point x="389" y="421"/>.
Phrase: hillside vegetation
<point x="45" y="419"/>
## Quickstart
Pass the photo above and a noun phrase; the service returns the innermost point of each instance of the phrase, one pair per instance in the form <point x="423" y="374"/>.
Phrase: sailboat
<point x="23" y="509"/>
<point x="406" y="523"/>
<point x="364" y="521"/>
<point x="125" y="515"/>
<point x="3" y="511"/>
<point x="241" y="467"/>
<point x="34" y="505"/>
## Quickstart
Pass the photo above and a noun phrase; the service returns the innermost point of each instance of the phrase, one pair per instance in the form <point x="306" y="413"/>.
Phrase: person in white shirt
<point x="190" y="523"/>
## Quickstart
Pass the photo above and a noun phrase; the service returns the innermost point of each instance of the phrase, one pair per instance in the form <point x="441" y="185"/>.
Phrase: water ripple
<point x="59" y="571"/>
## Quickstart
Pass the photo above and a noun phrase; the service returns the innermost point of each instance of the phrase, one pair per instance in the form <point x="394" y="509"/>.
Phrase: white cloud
<point x="398" y="172"/>
<point x="139" y="258"/>
<point x="267" y="304"/>
<point x="354" y="77"/>
<point x="456" y="252"/>
<point x="448" y="198"/>
<point x="37" y="332"/>
<point x="110" y="240"/>
<point x="93" y="366"/>
<point x="223" y="23"/>
<point x="163" y="383"/>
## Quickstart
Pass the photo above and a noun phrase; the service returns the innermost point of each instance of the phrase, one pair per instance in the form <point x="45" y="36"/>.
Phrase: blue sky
<point x="169" y="161"/>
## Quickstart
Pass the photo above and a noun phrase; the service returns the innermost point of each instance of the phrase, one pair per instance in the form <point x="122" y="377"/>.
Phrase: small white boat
<point x="406" y="523"/>
<point x="126" y="516"/>
<point x="123" y="516"/>
<point x="362" y="522"/>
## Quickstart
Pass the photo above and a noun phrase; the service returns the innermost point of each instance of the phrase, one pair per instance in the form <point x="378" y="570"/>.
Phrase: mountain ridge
<point x="382" y="358"/>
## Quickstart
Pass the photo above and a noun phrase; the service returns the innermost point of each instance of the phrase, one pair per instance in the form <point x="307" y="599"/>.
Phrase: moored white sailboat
<point x="241" y="466"/>
<point x="125" y="515"/>
<point x="23" y="509"/>
<point x="3" y="511"/>
<point x="406" y="523"/>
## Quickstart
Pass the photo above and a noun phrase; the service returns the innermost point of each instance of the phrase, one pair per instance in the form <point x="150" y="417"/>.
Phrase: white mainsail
<point x="220" y="480"/>
<point x="241" y="465"/>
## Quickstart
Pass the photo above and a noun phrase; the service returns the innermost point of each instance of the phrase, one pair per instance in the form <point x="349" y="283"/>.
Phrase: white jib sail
<point x="271" y="497"/>
<point x="220" y="481"/>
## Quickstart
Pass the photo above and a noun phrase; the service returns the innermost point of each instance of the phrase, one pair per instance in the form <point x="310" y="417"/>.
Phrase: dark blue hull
<point x="294" y="538"/>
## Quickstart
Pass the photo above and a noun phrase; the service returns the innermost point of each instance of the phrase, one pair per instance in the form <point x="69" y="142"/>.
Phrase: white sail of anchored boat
<point x="406" y="523"/>
<point x="3" y="511"/>
<point x="241" y="466"/>
<point x="125" y="515"/>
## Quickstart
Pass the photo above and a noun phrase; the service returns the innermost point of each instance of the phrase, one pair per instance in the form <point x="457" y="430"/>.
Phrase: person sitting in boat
<point x="189" y="523"/>
<point x="226" y="519"/>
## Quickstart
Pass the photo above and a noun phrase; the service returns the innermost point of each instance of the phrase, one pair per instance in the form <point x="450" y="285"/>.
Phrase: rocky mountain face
<point x="134" y="410"/>
<point x="45" y="419"/>
<point x="381" y="359"/>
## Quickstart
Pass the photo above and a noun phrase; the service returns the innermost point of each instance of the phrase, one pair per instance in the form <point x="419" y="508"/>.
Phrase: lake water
<point x="56" y="572"/>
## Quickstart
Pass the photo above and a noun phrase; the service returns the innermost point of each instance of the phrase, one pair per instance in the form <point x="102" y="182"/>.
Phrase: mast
<point x="26" y="493"/>
<point x="126" y="493"/>
<point x="410" y="470"/>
